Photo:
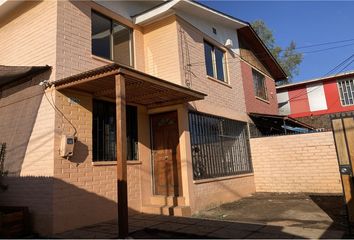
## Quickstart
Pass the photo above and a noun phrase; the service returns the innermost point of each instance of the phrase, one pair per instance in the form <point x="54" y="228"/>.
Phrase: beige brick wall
<point x="36" y="194"/>
<point x="161" y="50"/>
<point x="74" y="53"/>
<point x="211" y="194"/>
<point x="85" y="193"/>
<point x="222" y="99"/>
<point x="28" y="35"/>
<point x="296" y="163"/>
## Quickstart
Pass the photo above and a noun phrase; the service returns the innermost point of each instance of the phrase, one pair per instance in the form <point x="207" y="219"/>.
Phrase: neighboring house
<point x="188" y="75"/>
<point x="314" y="100"/>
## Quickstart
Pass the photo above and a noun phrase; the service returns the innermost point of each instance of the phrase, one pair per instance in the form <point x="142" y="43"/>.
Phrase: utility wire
<point x="59" y="111"/>
<point x="326" y="43"/>
<point x="305" y="92"/>
<point x="339" y="65"/>
<point x="257" y="55"/>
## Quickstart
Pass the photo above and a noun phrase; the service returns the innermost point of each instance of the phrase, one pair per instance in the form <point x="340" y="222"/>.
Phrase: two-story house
<point x="314" y="100"/>
<point x="154" y="94"/>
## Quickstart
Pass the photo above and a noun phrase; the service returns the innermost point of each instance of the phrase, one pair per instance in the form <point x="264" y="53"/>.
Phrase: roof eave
<point x="163" y="9"/>
<point x="285" y="76"/>
<point x="331" y="77"/>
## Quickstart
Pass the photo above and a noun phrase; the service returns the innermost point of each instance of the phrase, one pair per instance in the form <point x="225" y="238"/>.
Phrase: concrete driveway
<point x="262" y="216"/>
<point x="303" y="215"/>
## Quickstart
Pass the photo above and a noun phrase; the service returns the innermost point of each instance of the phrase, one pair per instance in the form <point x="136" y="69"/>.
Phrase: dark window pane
<point x="104" y="131"/>
<point x="219" y="58"/>
<point x="101" y="35"/>
<point x="132" y="133"/>
<point x="121" y="44"/>
<point x="259" y="85"/>
<point x="208" y="51"/>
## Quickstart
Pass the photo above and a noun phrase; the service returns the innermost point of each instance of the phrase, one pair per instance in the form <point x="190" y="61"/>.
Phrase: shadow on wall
<point x="56" y="206"/>
<point x="25" y="7"/>
<point x="19" y="106"/>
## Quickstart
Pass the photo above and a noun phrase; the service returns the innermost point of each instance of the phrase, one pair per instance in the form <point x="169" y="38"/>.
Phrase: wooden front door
<point x="165" y="154"/>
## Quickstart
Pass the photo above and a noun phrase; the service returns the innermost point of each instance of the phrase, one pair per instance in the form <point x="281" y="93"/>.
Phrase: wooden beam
<point x="121" y="158"/>
<point x="79" y="81"/>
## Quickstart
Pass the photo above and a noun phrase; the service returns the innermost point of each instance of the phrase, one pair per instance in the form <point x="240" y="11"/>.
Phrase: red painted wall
<point x="299" y="102"/>
<point x="254" y="104"/>
<point x="332" y="97"/>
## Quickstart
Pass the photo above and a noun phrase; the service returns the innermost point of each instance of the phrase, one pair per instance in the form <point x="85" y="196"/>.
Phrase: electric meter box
<point x="67" y="146"/>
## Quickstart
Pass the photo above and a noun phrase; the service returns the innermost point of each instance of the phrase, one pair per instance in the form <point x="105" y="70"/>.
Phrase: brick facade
<point x="231" y="103"/>
<point x="253" y="103"/>
<point x="296" y="163"/>
<point x="95" y="185"/>
<point x="76" y="191"/>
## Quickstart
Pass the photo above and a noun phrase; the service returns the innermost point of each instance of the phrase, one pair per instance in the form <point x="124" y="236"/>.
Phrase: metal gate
<point x="343" y="132"/>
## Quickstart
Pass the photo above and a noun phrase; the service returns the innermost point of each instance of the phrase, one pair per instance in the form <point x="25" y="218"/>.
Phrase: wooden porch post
<point x="121" y="158"/>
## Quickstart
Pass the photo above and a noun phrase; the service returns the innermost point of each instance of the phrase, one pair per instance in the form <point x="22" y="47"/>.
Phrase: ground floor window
<point x="104" y="131"/>
<point x="220" y="146"/>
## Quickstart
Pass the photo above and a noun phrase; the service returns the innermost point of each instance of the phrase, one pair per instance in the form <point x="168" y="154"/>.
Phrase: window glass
<point x="259" y="85"/>
<point x="121" y="44"/>
<point x="132" y="132"/>
<point x="101" y="36"/>
<point x="104" y="131"/>
<point x="208" y="51"/>
<point x="215" y="62"/>
<point x="219" y="59"/>
<point x="111" y="40"/>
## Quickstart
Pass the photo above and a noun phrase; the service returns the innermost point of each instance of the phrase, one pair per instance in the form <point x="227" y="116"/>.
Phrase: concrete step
<point x="167" y="201"/>
<point x="182" y="211"/>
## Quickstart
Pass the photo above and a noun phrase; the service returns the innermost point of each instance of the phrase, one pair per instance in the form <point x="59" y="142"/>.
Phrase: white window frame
<point x="213" y="59"/>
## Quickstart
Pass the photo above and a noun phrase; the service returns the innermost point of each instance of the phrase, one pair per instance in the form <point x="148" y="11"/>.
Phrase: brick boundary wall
<point x="296" y="163"/>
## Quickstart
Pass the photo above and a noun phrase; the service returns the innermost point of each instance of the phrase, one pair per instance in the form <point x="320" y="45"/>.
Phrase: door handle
<point x="166" y="157"/>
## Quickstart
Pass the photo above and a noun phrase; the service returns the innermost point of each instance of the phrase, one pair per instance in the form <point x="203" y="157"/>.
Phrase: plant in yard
<point x="2" y="171"/>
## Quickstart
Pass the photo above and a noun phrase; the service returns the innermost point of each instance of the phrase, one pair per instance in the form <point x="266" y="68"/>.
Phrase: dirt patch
<point x="287" y="210"/>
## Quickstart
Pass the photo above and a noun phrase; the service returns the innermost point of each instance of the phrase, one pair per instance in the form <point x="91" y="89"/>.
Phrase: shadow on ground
<point x="299" y="214"/>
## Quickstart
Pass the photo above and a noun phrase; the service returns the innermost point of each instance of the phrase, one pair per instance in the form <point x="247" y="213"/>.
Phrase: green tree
<point x="288" y="58"/>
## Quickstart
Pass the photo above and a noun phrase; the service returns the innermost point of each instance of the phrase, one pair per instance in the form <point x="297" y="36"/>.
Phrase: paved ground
<point x="261" y="216"/>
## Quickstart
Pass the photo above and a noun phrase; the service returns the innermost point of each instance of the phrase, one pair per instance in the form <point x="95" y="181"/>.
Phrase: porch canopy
<point x="140" y="88"/>
<point x="127" y="85"/>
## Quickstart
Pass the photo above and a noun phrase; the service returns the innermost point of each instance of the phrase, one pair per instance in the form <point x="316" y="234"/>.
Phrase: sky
<point x="306" y="23"/>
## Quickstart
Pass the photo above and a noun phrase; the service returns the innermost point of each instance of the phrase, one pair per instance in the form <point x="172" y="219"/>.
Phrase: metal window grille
<point x="346" y="91"/>
<point x="220" y="146"/>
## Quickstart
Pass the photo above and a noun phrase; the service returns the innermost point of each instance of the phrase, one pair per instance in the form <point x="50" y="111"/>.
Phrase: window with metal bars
<point x="346" y="91"/>
<point x="104" y="131"/>
<point x="220" y="146"/>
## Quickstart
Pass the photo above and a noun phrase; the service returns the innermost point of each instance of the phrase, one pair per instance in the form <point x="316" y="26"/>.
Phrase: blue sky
<point x="306" y="23"/>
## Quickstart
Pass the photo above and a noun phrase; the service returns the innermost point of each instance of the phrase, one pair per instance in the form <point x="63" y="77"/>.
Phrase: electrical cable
<point x="326" y="43"/>
<point x="305" y="92"/>
<point x="58" y="110"/>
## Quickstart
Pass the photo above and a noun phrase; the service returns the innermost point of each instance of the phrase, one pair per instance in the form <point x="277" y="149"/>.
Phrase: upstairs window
<point x="259" y="83"/>
<point x="111" y="40"/>
<point x="215" y="62"/>
<point x="346" y="92"/>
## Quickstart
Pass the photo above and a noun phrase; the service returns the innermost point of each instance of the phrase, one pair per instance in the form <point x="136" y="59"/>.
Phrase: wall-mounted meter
<point x="67" y="146"/>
